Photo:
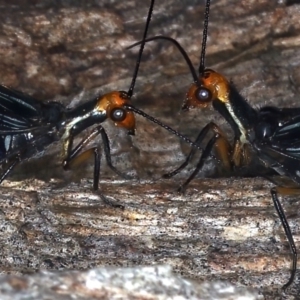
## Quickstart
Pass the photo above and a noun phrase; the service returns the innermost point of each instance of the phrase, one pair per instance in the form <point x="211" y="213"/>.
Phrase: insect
<point x="28" y="126"/>
<point x="270" y="134"/>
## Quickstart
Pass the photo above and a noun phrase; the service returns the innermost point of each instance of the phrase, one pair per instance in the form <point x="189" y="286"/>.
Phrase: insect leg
<point x="108" y="156"/>
<point x="96" y="151"/>
<point x="219" y="143"/>
<point x="204" y="156"/>
<point x="70" y="154"/>
<point x="16" y="160"/>
<point x="76" y="160"/>
<point x="198" y="141"/>
<point x="222" y="147"/>
<point x="75" y="157"/>
<point x="286" y="227"/>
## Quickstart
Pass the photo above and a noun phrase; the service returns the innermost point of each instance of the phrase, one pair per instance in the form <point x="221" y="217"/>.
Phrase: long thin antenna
<point x="204" y="38"/>
<point x="154" y="120"/>
<point x="136" y="70"/>
<point x="179" y="47"/>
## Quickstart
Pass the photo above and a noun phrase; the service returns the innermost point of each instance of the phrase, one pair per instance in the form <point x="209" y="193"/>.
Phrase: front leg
<point x="218" y="142"/>
<point x="75" y="156"/>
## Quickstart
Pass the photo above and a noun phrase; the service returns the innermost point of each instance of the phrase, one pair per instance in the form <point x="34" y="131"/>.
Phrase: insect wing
<point x="282" y="151"/>
<point x="289" y="134"/>
<point x="15" y="101"/>
<point x="18" y="112"/>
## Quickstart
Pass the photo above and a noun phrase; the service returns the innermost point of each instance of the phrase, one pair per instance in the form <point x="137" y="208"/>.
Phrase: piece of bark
<point x="221" y="229"/>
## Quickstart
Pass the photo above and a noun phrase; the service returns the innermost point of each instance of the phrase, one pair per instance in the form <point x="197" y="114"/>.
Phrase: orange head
<point x="213" y="86"/>
<point x="113" y="103"/>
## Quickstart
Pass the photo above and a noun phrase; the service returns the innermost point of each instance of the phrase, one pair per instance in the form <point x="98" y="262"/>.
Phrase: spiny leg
<point x="286" y="227"/>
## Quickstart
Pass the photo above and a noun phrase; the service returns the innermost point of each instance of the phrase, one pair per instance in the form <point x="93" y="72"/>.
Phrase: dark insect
<point x="28" y="126"/>
<point x="269" y="134"/>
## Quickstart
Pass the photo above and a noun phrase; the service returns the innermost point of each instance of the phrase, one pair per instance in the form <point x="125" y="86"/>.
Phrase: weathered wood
<point x="221" y="229"/>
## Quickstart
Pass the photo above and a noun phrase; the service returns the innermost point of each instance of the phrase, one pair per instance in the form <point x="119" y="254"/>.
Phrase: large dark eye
<point x="203" y="94"/>
<point x="118" y="114"/>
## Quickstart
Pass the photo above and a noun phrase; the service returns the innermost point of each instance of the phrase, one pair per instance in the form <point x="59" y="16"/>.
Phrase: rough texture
<point x="143" y="283"/>
<point x="222" y="228"/>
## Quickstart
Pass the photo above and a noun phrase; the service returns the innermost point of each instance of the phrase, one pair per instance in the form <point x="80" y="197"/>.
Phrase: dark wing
<point x="282" y="161"/>
<point x="18" y="112"/>
<point x="288" y="133"/>
<point x="282" y="151"/>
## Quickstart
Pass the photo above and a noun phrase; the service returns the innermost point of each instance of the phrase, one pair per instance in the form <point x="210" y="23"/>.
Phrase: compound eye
<point x="118" y="114"/>
<point x="203" y="94"/>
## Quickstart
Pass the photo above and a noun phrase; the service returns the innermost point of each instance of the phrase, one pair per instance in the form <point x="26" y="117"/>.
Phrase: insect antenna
<point x="179" y="47"/>
<point x="171" y="130"/>
<point x="138" y="62"/>
<point x="204" y="38"/>
<point x="132" y="85"/>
